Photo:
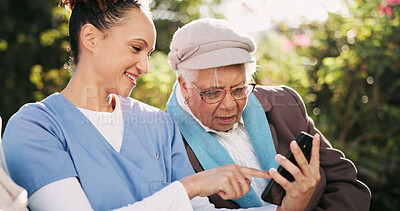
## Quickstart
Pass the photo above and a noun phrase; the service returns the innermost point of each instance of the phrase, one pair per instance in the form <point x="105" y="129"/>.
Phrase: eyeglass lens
<point x="213" y="96"/>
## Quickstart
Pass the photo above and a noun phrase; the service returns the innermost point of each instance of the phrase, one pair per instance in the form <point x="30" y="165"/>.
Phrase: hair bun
<point x="70" y="4"/>
<point x="95" y="4"/>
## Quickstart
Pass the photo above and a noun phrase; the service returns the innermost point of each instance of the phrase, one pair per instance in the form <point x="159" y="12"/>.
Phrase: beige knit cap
<point x="208" y="43"/>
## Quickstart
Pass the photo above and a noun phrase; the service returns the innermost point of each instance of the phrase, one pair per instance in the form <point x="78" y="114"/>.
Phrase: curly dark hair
<point x="103" y="14"/>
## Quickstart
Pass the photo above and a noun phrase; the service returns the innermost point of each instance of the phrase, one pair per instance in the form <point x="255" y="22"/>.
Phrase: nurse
<point x="91" y="147"/>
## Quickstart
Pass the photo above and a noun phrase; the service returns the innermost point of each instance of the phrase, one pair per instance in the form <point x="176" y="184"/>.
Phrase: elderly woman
<point x="224" y="118"/>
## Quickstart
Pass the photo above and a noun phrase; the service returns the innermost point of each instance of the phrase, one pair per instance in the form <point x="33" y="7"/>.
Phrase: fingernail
<point x="294" y="143"/>
<point x="272" y="171"/>
<point x="279" y="157"/>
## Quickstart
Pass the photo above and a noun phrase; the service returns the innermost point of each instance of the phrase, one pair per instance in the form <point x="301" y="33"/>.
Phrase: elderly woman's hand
<point x="229" y="181"/>
<point x="307" y="176"/>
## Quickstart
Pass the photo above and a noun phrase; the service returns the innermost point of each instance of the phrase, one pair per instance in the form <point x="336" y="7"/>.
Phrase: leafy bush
<point x="348" y="73"/>
<point x="347" y="70"/>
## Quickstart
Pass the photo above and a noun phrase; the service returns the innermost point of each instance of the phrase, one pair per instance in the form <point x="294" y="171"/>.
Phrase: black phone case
<point x="273" y="192"/>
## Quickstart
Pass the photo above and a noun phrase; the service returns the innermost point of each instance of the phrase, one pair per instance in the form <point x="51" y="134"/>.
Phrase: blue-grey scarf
<point x="211" y="153"/>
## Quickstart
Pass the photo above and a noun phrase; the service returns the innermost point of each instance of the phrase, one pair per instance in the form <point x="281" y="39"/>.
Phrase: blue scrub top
<point x="51" y="140"/>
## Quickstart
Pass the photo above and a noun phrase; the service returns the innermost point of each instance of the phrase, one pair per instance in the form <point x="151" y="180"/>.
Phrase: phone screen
<point x="273" y="192"/>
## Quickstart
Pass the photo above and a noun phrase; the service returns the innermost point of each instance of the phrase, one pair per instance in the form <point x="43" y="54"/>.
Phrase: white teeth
<point x="130" y="76"/>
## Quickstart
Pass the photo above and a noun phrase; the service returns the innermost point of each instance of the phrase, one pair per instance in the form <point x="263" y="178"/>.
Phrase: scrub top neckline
<point x="100" y="138"/>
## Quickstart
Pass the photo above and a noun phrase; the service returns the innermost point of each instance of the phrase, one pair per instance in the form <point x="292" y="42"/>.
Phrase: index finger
<point x="301" y="160"/>
<point x="252" y="172"/>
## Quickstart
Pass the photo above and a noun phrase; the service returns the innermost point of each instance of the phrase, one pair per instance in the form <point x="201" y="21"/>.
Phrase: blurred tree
<point x="155" y="87"/>
<point x="348" y="71"/>
<point x="169" y="15"/>
<point x="34" y="49"/>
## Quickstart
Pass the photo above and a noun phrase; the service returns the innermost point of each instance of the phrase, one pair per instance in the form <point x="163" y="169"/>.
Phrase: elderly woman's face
<point x="220" y="116"/>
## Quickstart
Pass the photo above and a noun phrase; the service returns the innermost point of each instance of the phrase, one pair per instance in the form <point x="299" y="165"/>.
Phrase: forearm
<point x="172" y="197"/>
<point x="67" y="194"/>
<point x="61" y="195"/>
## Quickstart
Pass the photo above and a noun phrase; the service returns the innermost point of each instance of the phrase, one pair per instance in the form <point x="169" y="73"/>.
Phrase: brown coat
<point x="338" y="188"/>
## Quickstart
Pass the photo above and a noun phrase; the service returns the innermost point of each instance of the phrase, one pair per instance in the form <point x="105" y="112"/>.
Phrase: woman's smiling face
<point x="121" y="56"/>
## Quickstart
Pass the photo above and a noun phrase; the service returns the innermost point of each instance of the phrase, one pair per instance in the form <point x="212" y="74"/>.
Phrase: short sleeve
<point x="35" y="149"/>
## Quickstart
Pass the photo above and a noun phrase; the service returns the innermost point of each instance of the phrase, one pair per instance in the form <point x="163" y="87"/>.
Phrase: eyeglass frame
<point x="201" y="93"/>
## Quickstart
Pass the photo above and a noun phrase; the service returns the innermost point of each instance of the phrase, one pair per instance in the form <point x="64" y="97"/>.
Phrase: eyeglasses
<point x="216" y="95"/>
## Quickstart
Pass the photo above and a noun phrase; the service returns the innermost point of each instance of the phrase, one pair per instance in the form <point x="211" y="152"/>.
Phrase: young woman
<point x="93" y="147"/>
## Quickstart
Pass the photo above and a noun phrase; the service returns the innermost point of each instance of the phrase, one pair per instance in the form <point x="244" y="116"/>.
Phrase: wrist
<point x="188" y="183"/>
<point x="280" y="208"/>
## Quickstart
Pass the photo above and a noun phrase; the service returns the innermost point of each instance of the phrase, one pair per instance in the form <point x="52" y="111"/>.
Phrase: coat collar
<point x="262" y="97"/>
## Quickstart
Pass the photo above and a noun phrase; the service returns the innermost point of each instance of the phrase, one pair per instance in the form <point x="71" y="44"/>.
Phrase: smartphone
<point x="273" y="192"/>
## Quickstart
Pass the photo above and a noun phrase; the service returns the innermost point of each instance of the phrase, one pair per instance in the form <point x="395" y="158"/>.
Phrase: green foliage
<point x="155" y="87"/>
<point x="169" y="15"/>
<point x="349" y="77"/>
<point x="33" y="46"/>
<point x="348" y="74"/>
<point x="34" y="50"/>
<point x="278" y="67"/>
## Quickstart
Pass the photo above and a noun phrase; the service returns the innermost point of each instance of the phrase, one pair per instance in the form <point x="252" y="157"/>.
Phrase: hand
<point x="229" y="181"/>
<point x="307" y="176"/>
